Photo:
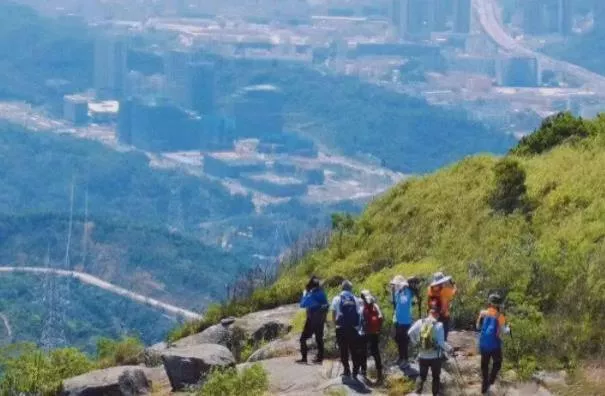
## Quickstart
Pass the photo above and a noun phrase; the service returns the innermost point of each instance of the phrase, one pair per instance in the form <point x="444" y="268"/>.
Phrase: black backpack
<point x="349" y="313"/>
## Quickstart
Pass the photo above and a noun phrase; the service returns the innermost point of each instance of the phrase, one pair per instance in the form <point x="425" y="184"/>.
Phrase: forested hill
<point x="38" y="170"/>
<point x="126" y="230"/>
<point x="359" y="118"/>
<point x="529" y="225"/>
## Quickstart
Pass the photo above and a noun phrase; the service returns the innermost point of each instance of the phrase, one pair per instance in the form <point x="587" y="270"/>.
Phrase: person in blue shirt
<point x="315" y="301"/>
<point x="403" y="297"/>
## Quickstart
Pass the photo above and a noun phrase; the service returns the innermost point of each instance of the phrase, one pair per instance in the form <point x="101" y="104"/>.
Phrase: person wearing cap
<point x="346" y="314"/>
<point x="402" y="297"/>
<point x="492" y="324"/>
<point x="372" y="324"/>
<point x="431" y="349"/>
<point x="441" y="292"/>
<point x="315" y="301"/>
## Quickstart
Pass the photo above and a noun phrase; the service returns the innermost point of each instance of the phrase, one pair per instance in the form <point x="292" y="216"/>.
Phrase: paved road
<point x="100" y="283"/>
<point x="488" y="17"/>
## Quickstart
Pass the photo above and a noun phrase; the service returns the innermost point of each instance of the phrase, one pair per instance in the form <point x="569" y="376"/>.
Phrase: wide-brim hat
<point x="367" y="296"/>
<point x="439" y="279"/>
<point x="399" y="281"/>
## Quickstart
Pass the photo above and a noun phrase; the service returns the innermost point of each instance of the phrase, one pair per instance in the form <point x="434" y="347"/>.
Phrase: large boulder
<point x="190" y="365"/>
<point x="115" y="381"/>
<point x="277" y="348"/>
<point x="254" y="328"/>
<point x="153" y="354"/>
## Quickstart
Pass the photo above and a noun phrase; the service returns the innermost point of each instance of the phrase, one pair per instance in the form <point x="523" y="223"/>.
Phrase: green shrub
<point x="27" y="369"/>
<point x="252" y="380"/>
<point x="510" y="192"/>
<point x="554" y="131"/>
<point x="124" y="352"/>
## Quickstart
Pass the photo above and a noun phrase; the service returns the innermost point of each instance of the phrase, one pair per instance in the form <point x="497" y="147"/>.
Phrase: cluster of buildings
<point x="547" y="16"/>
<point x="164" y="99"/>
<point x="417" y="19"/>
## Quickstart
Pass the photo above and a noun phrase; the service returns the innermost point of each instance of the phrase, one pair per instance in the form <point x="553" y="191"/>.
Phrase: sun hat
<point x="439" y="278"/>
<point x="399" y="282"/>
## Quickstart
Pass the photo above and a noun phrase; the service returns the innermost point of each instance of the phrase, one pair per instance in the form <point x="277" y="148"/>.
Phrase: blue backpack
<point x="489" y="339"/>
<point x="349" y="314"/>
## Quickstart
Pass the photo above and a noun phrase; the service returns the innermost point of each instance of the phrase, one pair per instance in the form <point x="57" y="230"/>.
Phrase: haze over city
<point x="162" y="156"/>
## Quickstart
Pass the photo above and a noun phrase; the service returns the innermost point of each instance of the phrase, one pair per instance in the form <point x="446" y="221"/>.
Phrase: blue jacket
<point x="314" y="300"/>
<point x="403" y="306"/>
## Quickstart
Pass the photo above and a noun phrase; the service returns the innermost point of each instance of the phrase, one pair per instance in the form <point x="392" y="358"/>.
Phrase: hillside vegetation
<point x="530" y="225"/>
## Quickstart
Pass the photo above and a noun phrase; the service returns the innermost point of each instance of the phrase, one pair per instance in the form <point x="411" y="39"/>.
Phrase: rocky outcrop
<point x="115" y="381"/>
<point x="253" y="328"/>
<point x="289" y="378"/>
<point x="152" y="356"/>
<point x="278" y="348"/>
<point x="189" y="366"/>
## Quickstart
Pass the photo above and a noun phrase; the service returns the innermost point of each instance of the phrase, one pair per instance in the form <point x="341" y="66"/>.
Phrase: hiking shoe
<point x="317" y="361"/>
<point x="302" y="361"/>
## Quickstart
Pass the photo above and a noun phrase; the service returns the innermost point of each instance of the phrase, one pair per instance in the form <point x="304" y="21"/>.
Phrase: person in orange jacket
<point x="441" y="292"/>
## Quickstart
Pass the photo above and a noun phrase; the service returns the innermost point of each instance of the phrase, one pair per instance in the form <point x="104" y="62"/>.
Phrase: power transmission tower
<point x="176" y="220"/>
<point x="53" y="334"/>
<point x="56" y="293"/>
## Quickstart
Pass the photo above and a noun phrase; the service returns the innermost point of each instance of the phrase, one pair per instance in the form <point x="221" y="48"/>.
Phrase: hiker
<point x="441" y="292"/>
<point x="428" y="333"/>
<point x="402" y="297"/>
<point x="315" y="301"/>
<point x="491" y="324"/>
<point x="346" y="313"/>
<point x="372" y="324"/>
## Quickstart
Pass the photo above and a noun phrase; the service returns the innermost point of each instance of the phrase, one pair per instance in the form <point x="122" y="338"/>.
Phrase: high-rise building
<point x="462" y="16"/>
<point x="110" y="68"/>
<point x="158" y="126"/>
<point x="75" y="109"/>
<point x="190" y="84"/>
<point x="565" y="17"/>
<point x="533" y="17"/>
<point x="413" y="19"/>
<point x="518" y="71"/>
<point x="442" y="12"/>
<point x="201" y="87"/>
<point x="258" y="112"/>
<point x="599" y="14"/>
<point x="176" y="70"/>
<point x="548" y="16"/>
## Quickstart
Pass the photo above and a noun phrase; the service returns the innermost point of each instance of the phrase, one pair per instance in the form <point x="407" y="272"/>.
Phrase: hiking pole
<point x="459" y="379"/>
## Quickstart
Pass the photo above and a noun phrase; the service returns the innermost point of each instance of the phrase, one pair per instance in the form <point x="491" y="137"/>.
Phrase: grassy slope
<point x="550" y="265"/>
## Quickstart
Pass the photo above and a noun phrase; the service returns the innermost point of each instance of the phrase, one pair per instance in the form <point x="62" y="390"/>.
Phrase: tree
<point x="510" y="192"/>
<point x="553" y="131"/>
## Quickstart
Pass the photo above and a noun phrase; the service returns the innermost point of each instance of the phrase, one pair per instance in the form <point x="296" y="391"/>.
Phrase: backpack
<point x="349" y="315"/>
<point x="489" y="340"/>
<point x="372" y="321"/>
<point x="427" y="340"/>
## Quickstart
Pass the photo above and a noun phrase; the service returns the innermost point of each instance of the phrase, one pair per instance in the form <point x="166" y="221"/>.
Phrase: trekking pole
<point x="459" y="379"/>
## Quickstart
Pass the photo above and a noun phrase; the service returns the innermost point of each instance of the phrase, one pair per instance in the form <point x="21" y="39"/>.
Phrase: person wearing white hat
<point x="441" y="292"/>
<point x="372" y="324"/>
<point x="402" y="297"/>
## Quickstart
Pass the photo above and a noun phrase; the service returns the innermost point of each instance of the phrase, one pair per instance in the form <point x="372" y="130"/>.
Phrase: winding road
<point x="7" y="326"/>
<point x="110" y="287"/>
<point x="487" y="12"/>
